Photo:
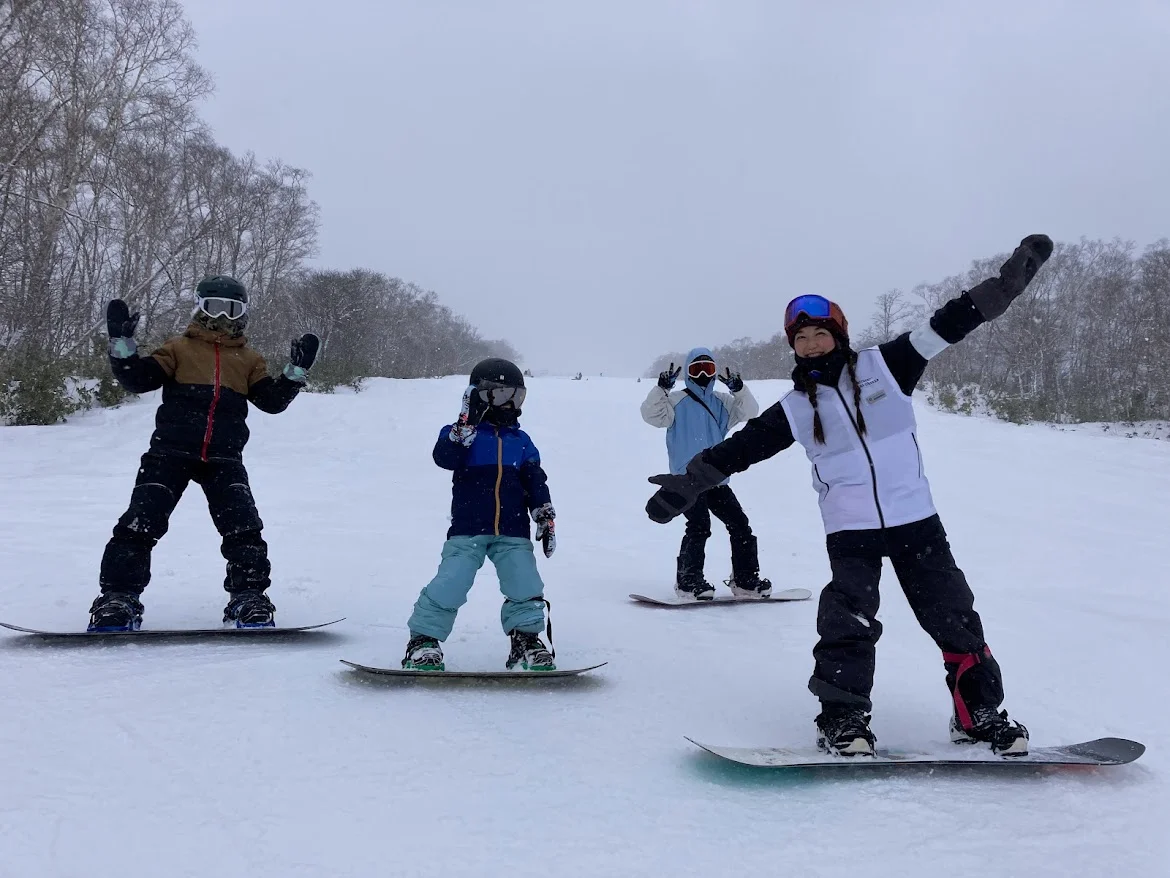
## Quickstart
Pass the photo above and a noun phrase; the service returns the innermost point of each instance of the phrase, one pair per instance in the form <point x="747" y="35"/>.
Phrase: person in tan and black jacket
<point x="208" y="375"/>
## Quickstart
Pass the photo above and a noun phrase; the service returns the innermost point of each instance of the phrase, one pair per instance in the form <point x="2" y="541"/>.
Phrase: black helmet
<point x="223" y="287"/>
<point x="500" y="391"/>
<point x="221" y="305"/>
<point x="497" y="371"/>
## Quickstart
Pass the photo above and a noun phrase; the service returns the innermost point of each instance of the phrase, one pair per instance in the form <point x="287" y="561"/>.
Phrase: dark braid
<point x="810" y="387"/>
<point x="852" y="362"/>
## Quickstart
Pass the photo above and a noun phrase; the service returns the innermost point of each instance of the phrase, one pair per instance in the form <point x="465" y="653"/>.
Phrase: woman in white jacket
<point x="852" y="413"/>
<point x="696" y="418"/>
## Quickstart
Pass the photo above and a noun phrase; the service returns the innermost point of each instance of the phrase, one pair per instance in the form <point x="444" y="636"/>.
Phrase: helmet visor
<point x="497" y="395"/>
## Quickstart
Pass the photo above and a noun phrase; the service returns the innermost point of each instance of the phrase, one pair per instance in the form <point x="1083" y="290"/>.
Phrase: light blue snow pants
<point x="523" y="610"/>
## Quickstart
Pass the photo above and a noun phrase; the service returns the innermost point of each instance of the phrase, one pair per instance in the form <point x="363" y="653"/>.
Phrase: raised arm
<point x="274" y="396"/>
<point x="135" y="373"/>
<point x="907" y="355"/>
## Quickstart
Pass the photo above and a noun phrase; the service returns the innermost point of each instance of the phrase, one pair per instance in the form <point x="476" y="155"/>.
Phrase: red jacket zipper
<point x="211" y="410"/>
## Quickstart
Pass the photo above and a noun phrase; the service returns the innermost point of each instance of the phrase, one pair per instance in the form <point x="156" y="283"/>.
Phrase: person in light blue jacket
<point x="695" y="418"/>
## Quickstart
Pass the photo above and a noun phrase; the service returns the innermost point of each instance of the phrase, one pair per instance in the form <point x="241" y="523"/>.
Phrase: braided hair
<point x="810" y="388"/>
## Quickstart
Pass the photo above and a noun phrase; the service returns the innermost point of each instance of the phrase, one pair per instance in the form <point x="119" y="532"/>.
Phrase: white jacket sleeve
<point x="658" y="407"/>
<point x="741" y="406"/>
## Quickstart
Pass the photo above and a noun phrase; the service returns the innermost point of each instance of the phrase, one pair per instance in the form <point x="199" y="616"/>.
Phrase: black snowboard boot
<point x="423" y="653"/>
<point x="694" y="589"/>
<point x="249" y="609"/>
<point x="753" y="587"/>
<point x="529" y="651"/>
<point x="844" y="731"/>
<point x="115" y="611"/>
<point x="989" y="726"/>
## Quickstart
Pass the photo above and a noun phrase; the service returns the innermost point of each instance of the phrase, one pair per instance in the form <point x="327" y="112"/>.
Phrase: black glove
<point x="677" y="494"/>
<point x="993" y="296"/>
<point x="733" y="381"/>
<point x="666" y="379"/>
<point x="304" y="351"/>
<point x="120" y="323"/>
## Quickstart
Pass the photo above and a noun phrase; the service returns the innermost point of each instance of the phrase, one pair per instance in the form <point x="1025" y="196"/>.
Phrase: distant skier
<point x="497" y="482"/>
<point x="860" y="434"/>
<point x="696" y="418"/>
<point x="208" y="375"/>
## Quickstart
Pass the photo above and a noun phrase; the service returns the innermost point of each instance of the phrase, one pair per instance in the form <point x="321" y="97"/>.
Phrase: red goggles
<point x="701" y="367"/>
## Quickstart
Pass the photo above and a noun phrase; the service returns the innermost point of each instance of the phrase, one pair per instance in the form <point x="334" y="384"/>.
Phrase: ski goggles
<point x="497" y="395"/>
<point x="217" y="306"/>
<point x="814" y="308"/>
<point x="699" y="368"/>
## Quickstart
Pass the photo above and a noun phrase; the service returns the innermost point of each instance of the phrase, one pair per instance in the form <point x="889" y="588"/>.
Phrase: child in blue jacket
<point x="497" y="483"/>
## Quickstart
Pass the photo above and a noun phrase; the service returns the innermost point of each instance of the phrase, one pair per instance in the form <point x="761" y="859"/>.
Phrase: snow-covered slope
<point x="271" y="759"/>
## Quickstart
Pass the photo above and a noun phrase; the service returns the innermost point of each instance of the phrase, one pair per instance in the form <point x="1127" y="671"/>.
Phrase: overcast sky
<point x="599" y="182"/>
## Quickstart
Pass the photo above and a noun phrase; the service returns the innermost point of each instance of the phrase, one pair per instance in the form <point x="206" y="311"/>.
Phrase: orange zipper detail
<point x="211" y="409"/>
<point x="499" y="476"/>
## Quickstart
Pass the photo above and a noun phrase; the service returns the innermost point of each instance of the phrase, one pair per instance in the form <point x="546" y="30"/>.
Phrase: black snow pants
<point x="721" y="502"/>
<point x="160" y="483"/>
<point x="939" y="596"/>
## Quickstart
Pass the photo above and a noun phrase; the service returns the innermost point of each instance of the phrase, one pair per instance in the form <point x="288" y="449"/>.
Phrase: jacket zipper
<point x="868" y="456"/>
<point x="499" y="475"/>
<point x="211" y="409"/>
<point x="919" y="450"/>
<point x="817" y="473"/>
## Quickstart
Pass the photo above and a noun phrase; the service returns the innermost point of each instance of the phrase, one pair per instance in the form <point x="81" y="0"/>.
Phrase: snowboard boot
<point x="694" y="589"/>
<point x="529" y="651"/>
<point x="115" y="611"/>
<point x="989" y="726"/>
<point x="249" y="609"/>
<point x="755" y="587"/>
<point x="844" y="731"/>
<point x="423" y="653"/>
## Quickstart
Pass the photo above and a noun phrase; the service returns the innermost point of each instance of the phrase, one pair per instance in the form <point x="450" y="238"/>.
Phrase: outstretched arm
<point x="907" y="355"/>
<point x="760" y="438"/>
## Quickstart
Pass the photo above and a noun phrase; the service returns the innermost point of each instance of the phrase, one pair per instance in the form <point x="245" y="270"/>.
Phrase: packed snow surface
<point x="270" y="758"/>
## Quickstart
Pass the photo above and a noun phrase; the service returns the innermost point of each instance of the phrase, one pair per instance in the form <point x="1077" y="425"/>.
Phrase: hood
<point x="695" y="388"/>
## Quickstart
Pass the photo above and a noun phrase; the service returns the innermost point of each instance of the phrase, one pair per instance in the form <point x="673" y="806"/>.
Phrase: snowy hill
<point x="271" y="759"/>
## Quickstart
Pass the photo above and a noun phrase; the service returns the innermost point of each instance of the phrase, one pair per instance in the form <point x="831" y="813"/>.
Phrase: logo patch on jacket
<point x="875" y="397"/>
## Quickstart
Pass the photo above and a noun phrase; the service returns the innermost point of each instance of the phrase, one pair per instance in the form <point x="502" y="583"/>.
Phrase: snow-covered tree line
<point x="111" y="186"/>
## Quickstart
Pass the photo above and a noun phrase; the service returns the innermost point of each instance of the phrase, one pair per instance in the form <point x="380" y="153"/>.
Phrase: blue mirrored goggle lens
<point x="817" y="307"/>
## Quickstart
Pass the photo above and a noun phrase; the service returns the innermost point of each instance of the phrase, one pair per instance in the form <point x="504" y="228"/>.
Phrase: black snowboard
<point x="1102" y="751"/>
<point x="481" y="675"/>
<point x="147" y="633"/>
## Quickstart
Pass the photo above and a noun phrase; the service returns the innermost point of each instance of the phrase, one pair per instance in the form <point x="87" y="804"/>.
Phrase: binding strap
<point x="548" y="627"/>
<point x="965" y="661"/>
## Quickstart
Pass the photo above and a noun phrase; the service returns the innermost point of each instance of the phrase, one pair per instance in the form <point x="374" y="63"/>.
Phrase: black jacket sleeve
<point x="138" y="374"/>
<point x="763" y="436"/>
<point x="273" y="396"/>
<point x="907" y="355"/>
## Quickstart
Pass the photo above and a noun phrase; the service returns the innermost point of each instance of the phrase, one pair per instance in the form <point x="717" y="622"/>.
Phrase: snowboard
<point x="479" y="675"/>
<point x="778" y="597"/>
<point x="1102" y="751"/>
<point x="147" y="633"/>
